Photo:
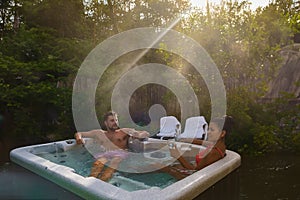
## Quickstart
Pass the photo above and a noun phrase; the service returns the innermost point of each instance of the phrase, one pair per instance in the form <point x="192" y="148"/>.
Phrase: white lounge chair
<point x="195" y="127"/>
<point x="168" y="127"/>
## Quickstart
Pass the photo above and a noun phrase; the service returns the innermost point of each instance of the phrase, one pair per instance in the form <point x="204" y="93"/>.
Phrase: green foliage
<point x="287" y="119"/>
<point x="263" y="128"/>
<point x="66" y="17"/>
<point x="296" y="142"/>
<point x="264" y="139"/>
<point x="35" y="71"/>
<point x="43" y="43"/>
<point x="239" y="105"/>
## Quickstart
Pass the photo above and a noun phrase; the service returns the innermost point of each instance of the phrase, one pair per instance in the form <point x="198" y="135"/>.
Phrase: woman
<point x="215" y="150"/>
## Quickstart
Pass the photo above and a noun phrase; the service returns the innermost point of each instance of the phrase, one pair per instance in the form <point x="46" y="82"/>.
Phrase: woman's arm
<point x="196" y="141"/>
<point x="185" y="163"/>
<point x="176" y="154"/>
<point x="191" y="140"/>
<point x="210" y="158"/>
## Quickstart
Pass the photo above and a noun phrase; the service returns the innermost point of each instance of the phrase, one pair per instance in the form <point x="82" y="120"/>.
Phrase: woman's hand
<point x="175" y="153"/>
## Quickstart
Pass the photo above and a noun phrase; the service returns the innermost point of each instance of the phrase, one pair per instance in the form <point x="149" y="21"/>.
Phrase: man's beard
<point x="113" y="128"/>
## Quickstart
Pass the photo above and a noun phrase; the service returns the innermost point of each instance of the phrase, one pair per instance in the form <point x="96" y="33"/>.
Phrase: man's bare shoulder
<point x="99" y="131"/>
<point x="96" y="133"/>
<point x="123" y="131"/>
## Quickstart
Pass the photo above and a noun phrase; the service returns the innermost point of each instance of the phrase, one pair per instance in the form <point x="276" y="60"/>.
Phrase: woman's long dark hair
<point x="224" y="123"/>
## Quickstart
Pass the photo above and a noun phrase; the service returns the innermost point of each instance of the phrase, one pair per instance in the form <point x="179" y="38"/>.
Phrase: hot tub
<point x="58" y="162"/>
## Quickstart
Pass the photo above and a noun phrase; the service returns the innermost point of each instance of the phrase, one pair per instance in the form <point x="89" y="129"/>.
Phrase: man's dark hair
<point x="105" y="117"/>
<point x="109" y="113"/>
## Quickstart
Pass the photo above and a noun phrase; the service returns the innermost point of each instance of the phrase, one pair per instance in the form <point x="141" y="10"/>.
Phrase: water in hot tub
<point x="128" y="176"/>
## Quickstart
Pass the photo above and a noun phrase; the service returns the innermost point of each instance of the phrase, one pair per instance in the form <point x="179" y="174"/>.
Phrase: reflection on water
<point x="274" y="176"/>
<point x="19" y="183"/>
<point x="270" y="177"/>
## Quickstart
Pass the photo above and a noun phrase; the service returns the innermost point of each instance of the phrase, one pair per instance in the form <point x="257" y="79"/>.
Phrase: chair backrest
<point x="168" y="126"/>
<point x="195" y="127"/>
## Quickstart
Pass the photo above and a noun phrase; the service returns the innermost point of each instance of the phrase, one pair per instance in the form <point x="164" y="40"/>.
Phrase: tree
<point x="9" y="16"/>
<point x="34" y="96"/>
<point x="110" y="17"/>
<point x="66" y="17"/>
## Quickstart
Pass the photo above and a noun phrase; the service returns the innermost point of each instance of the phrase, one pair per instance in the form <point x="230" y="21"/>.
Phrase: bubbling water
<point x="130" y="179"/>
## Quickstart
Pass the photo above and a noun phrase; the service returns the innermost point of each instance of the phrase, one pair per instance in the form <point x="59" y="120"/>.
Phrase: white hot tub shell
<point x="92" y="188"/>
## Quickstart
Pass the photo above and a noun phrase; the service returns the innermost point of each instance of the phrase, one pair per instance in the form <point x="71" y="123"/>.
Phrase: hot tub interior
<point x="128" y="175"/>
<point x="68" y="165"/>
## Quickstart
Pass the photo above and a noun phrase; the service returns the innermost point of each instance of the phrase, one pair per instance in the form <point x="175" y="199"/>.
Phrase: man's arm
<point x="134" y="133"/>
<point x="89" y="134"/>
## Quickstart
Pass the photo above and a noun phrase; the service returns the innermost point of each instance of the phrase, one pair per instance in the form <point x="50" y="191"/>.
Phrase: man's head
<point x="111" y="121"/>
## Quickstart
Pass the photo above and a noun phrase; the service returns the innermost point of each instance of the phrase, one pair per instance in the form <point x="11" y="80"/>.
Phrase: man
<point x="114" y="140"/>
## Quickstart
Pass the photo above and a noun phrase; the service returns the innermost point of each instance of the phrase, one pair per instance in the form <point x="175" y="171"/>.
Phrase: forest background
<point x="44" y="42"/>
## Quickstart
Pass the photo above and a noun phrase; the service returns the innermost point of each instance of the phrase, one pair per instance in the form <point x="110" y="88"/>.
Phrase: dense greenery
<point x="43" y="43"/>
